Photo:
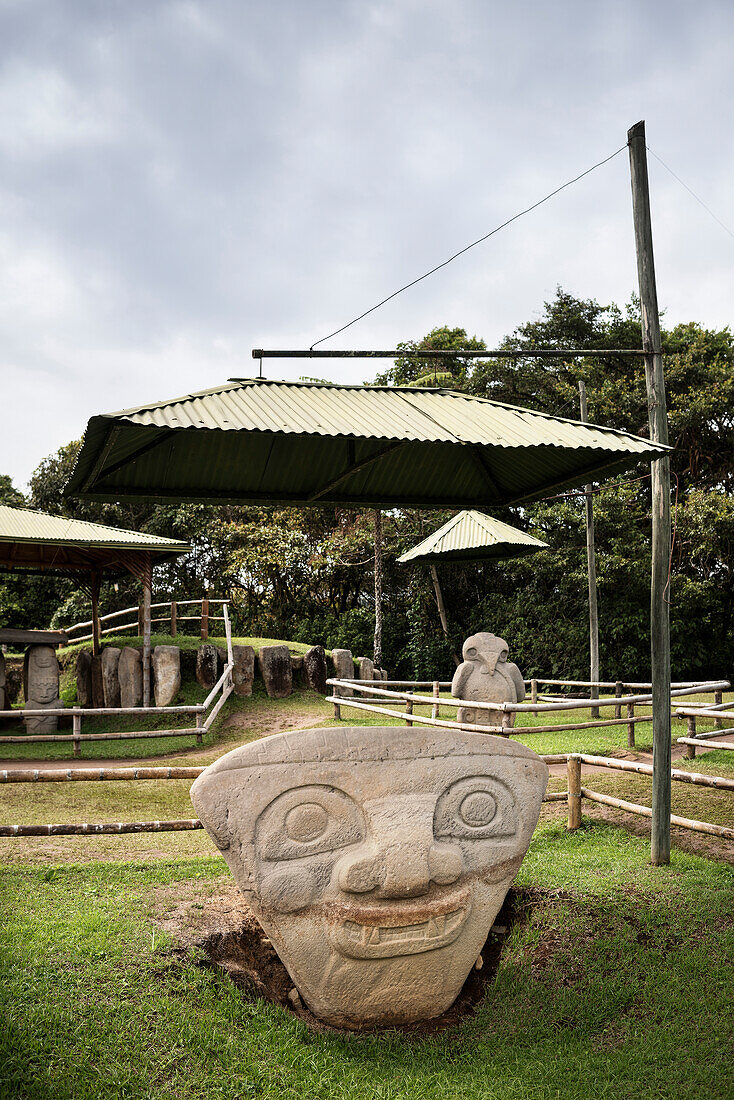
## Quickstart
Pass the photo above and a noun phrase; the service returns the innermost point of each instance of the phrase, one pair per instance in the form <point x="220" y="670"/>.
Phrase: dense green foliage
<point x="308" y="574"/>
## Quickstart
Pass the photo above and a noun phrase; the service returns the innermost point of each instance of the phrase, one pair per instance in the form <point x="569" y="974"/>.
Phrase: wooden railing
<point x="223" y="687"/>
<point x="577" y="792"/>
<point x="693" y="738"/>
<point x="382" y="698"/>
<point x="172" y="619"/>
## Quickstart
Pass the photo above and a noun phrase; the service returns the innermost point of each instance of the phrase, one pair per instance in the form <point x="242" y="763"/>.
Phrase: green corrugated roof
<point x="24" y="525"/>
<point x="294" y="442"/>
<point x="471" y="535"/>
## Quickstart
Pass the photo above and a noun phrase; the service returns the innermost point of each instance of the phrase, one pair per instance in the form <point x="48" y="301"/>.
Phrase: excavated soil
<point x="220" y="931"/>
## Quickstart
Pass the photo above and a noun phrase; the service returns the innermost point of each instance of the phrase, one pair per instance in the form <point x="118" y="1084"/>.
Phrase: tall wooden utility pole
<point x="591" y="558"/>
<point x="660" y="469"/>
<point x="377" y="649"/>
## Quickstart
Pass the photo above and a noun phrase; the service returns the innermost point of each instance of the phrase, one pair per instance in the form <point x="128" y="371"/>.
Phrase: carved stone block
<point x="41" y="686"/>
<point x="166" y="674"/>
<point x="314" y="668"/>
<point x="486" y="676"/>
<point x="276" y="670"/>
<point x="110" y="678"/>
<point x="130" y="674"/>
<point x="243" y="672"/>
<point x="84" y="678"/>
<point x="376" y="859"/>
<point x="343" y="670"/>
<point x="206" y="666"/>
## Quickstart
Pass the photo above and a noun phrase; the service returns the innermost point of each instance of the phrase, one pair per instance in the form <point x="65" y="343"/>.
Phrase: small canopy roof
<point x="34" y="542"/>
<point x="472" y="536"/>
<point x="310" y="443"/>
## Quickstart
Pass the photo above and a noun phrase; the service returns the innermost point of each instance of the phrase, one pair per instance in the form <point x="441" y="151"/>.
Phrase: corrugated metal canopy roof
<point x="293" y="442"/>
<point x="31" y="540"/>
<point x="470" y="535"/>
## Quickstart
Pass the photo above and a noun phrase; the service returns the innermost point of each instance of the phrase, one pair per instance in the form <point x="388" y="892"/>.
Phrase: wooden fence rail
<point x="204" y="618"/>
<point x="577" y="792"/>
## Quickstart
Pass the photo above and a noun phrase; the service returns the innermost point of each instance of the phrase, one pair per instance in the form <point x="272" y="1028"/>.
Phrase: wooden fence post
<point x="436" y="695"/>
<point x="534" y="694"/>
<point x="141" y="620"/>
<point x="76" y="723"/>
<point x="574" y="793"/>
<point x="630" y="726"/>
<point x="691" y="749"/>
<point x="408" y="710"/>
<point x="718" y="699"/>
<point x="174" y="613"/>
<point x="205" y="618"/>
<point x="618" y="692"/>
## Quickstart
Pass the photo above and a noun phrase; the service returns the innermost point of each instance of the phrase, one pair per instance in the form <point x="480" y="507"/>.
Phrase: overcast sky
<point x="184" y="180"/>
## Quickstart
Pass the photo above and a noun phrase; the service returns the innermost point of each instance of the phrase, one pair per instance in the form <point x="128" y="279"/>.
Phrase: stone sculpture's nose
<point x="402" y="858"/>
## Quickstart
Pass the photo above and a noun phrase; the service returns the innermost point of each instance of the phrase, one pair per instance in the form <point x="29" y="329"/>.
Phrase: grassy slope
<point x="599" y="995"/>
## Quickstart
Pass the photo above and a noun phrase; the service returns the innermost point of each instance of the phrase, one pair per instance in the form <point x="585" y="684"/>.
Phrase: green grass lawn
<point x="620" y="989"/>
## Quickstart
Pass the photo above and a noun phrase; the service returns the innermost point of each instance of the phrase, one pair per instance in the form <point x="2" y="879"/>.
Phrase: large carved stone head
<point x="375" y="859"/>
<point x="484" y="650"/>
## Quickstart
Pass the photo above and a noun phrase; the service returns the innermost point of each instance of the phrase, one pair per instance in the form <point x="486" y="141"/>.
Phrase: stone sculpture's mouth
<point x="383" y="931"/>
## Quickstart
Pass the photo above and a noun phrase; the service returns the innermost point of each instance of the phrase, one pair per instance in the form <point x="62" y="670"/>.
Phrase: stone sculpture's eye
<point x="475" y="808"/>
<point x="472" y="652"/>
<point x="307" y="821"/>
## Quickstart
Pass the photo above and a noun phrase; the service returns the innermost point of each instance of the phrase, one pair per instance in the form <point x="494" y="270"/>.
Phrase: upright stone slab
<point x="343" y="669"/>
<point x="83" y="670"/>
<point x="110" y="678"/>
<point x="130" y="674"/>
<point x="206" y="666"/>
<point x="97" y="682"/>
<point x="243" y="672"/>
<point x="366" y="669"/>
<point x="376" y="859"/>
<point x="276" y="670"/>
<point x="166" y="674"/>
<point x="41" y="684"/>
<point x="486" y="676"/>
<point x="314" y="669"/>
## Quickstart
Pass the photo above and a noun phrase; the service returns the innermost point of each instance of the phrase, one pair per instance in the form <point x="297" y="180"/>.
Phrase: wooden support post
<point x="691" y="749"/>
<point x="141" y="620"/>
<point x="408" y="710"/>
<point x="534" y="694"/>
<point x="96" y="625"/>
<point x="574" y="792"/>
<point x="718" y="699"/>
<point x="591" y="561"/>
<point x="337" y="712"/>
<point x="377" y="645"/>
<point x="147" y="587"/>
<point x="630" y="726"/>
<point x="205" y="618"/>
<point x="76" y="729"/>
<point x="436" y="695"/>
<point x="660" y="479"/>
<point x="174" y="615"/>
<point x="618" y="693"/>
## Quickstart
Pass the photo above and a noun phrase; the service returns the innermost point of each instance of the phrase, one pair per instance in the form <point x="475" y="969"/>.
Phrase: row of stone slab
<point x="115" y="677"/>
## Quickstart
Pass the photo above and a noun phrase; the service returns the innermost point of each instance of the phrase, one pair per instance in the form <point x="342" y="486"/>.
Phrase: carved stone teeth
<point x="375" y="937"/>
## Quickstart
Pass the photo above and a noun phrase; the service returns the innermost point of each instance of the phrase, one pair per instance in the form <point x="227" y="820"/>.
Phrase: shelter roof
<point x="471" y="535"/>
<point x="296" y="442"/>
<point x="36" y="541"/>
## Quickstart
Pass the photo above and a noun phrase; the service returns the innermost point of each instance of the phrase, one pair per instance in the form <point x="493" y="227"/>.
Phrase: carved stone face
<point x="42" y="674"/>
<point x="485" y="650"/>
<point x="375" y="859"/>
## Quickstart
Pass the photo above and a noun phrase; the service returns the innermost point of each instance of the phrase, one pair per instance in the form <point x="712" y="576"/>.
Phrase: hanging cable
<point x="473" y="244"/>
<point x="691" y="192"/>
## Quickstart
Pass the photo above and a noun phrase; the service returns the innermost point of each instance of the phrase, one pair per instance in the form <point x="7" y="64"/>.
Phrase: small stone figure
<point x="41" y="686"/>
<point x="486" y="676"/>
<point x="375" y="859"/>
